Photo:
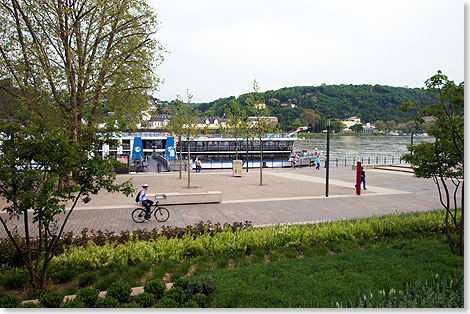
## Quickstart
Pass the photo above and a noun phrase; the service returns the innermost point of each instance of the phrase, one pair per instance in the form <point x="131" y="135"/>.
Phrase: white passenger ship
<point x="153" y="151"/>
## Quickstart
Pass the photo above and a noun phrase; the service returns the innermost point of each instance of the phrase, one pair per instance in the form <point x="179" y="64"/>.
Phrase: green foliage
<point x="155" y="287"/>
<point x="52" y="299"/>
<point x="177" y="294"/>
<point x="434" y="292"/>
<point x="30" y="305"/>
<point x="75" y="303"/>
<point x="88" y="296"/>
<point x="120" y="291"/>
<point x="443" y="159"/>
<point x="107" y="302"/>
<point x="228" y="241"/>
<point x="87" y="278"/>
<point x="9" y="301"/>
<point x="65" y="275"/>
<point x="317" y="281"/>
<point x="368" y="102"/>
<point x="145" y="299"/>
<point x="166" y="303"/>
<point x="107" y="281"/>
<point x="15" y="278"/>
<point x="201" y="300"/>
<point x="43" y="171"/>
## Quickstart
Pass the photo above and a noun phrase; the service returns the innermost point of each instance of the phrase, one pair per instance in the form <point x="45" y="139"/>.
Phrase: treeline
<point x="370" y="103"/>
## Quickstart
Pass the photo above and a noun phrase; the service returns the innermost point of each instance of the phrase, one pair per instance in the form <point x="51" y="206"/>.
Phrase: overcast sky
<point x="217" y="48"/>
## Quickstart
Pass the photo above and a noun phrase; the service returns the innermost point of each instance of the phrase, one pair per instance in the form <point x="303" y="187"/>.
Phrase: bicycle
<point x="161" y="213"/>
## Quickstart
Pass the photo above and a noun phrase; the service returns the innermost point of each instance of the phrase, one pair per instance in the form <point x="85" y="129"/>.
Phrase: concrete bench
<point x="189" y="198"/>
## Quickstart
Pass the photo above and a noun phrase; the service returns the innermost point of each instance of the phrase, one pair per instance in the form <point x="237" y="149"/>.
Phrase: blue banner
<point x="138" y="150"/>
<point x="170" y="149"/>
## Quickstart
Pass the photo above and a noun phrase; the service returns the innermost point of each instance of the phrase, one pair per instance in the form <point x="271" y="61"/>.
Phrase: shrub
<point x="145" y="299"/>
<point x="155" y="287"/>
<point x="177" y="294"/>
<point x="30" y="305"/>
<point x="204" y="285"/>
<point x="9" y="301"/>
<point x="87" y="279"/>
<point x="120" y="291"/>
<point x="190" y="304"/>
<point x="166" y="303"/>
<point x="106" y="282"/>
<point x="202" y="300"/>
<point x="88" y="296"/>
<point x="132" y="305"/>
<point x="15" y="278"/>
<point x="65" y="275"/>
<point x="75" y="303"/>
<point x="107" y="302"/>
<point x="51" y="299"/>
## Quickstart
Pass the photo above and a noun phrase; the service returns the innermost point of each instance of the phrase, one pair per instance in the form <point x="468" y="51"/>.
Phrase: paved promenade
<point x="287" y="196"/>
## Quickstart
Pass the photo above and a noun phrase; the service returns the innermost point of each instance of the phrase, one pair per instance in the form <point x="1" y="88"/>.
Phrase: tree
<point x="311" y="118"/>
<point x="33" y="159"/>
<point x="356" y="128"/>
<point x="443" y="159"/>
<point x="390" y="125"/>
<point x="296" y="124"/>
<point x="235" y="122"/>
<point x="379" y="125"/>
<point x="261" y="126"/>
<point x="184" y="125"/>
<point x="337" y="126"/>
<point x="78" y="60"/>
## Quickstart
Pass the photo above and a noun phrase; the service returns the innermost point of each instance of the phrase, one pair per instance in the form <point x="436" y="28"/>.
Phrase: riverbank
<point x="310" y="135"/>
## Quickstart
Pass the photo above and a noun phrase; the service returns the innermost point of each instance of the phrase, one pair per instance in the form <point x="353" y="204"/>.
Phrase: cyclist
<point x="144" y="201"/>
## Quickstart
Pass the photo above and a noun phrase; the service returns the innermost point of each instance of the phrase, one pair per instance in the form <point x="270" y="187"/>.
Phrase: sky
<point x="217" y="49"/>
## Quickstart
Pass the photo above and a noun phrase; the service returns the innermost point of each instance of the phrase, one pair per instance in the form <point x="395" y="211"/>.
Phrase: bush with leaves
<point x="88" y="296"/>
<point x="177" y="294"/>
<point x="166" y="303"/>
<point x="75" y="303"/>
<point x="121" y="291"/>
<point x="15" y="278"/>
<point x="107" y="302"/>
<point x="155" y="287"/>
<point x="145" y="299"/>
<point x="52" y="299"/>
<point x="9" y="301"/>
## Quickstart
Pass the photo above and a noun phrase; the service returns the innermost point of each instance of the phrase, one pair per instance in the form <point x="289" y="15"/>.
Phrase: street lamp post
<point x="327" y="153"/>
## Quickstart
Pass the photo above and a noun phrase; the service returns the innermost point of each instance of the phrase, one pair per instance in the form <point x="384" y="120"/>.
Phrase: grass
<point x="318" y="280"/>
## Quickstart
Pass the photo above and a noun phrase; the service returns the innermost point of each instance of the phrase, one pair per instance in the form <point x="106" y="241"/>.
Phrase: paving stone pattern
<point x="287" y="196"/>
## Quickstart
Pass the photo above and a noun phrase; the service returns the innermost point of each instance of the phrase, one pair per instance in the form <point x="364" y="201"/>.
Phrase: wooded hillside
<point x="370" y="103"/>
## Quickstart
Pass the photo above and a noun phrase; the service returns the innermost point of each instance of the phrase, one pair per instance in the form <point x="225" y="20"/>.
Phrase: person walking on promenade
<point x="326" y="159"/>
<point x="363" y="178"/>
<point x="318" y="163"/>
<point x="294" y="161"/>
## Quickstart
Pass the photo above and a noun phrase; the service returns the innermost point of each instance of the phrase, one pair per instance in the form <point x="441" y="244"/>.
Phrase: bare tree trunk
<point x="181" y="157"/>
<point x="261" y="164"/>
<point x="189" y="165"/>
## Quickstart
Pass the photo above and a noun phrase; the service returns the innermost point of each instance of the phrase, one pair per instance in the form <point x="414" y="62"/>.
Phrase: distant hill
<point x="368" y="102"/>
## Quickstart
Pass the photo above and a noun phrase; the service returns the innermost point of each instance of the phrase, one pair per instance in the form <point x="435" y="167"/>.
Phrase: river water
<point x="370" y="149"/>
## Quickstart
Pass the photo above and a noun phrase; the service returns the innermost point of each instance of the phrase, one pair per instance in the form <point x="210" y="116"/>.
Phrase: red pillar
<point x="358" y="178"/>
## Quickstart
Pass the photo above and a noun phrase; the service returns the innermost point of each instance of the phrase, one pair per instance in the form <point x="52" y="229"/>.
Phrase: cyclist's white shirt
<point x="143" y="195"/>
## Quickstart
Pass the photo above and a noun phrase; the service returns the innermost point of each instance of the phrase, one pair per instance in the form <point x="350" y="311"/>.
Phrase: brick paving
<point x="287" y="196"/>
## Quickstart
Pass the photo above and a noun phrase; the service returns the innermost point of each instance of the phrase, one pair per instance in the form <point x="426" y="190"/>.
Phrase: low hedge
<point x="228" y="241"/>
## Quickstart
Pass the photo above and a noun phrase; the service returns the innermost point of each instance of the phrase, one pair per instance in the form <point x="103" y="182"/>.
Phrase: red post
<point x="358" y="178"/>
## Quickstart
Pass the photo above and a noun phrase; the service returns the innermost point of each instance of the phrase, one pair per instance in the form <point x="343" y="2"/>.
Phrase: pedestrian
<point x="294" y="162"/>
<point x="318" y="162"/>
<point x="363" y="178"/>
<point x="326" y="159"/>
<point x="198" y="165"/>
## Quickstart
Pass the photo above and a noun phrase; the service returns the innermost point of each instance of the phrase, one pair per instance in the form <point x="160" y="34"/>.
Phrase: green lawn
<point x="317" y="281"/>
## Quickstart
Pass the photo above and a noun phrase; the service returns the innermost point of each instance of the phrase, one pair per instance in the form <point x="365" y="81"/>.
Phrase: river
<point x="371" y="149"/>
